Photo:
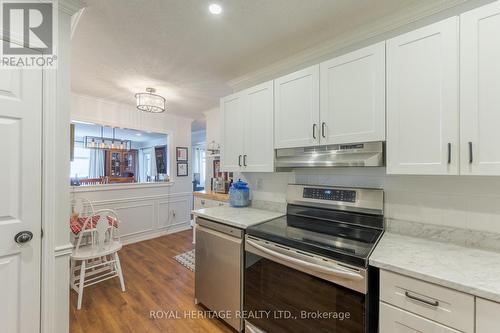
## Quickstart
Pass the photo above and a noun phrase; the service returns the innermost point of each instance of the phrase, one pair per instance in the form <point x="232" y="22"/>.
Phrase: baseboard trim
<point x="155" y="233"/>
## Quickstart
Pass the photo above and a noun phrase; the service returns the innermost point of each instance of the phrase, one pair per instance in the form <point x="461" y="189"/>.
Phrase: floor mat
<point x="186" y="259"/>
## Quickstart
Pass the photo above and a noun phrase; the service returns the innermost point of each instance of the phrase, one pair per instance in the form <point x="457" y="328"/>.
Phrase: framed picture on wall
<point x="216" y="168"/>
<point x="182" y="154"/>
<point x="182" y="169"/>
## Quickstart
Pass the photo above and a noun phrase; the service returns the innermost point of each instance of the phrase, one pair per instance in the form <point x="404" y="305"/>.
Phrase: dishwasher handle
<point x="344" y="273"/>
<point x="222" y="235"/>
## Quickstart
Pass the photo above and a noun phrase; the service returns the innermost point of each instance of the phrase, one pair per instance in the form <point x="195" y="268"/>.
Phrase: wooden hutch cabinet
<point x="121" y="165"/>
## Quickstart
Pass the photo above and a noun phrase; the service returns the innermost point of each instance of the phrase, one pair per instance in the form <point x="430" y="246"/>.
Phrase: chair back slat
<point x="101" y="227"/>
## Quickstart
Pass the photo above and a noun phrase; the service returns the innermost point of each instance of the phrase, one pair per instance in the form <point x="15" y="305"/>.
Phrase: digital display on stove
<point x="329" y="194"/>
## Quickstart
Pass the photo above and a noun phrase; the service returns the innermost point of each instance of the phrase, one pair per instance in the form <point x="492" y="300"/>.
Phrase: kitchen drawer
<point x="487" y="316"/>
<point x="443" y="305"/>
<point x="394" y="320"/>
<point x="200" y="203"/>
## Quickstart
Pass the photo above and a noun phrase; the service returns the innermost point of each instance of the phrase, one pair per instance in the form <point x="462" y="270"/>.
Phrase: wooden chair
<point x="96" y="259"/>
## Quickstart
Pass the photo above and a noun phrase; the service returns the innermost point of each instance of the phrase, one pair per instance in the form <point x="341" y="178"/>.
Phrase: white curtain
<point x="153" y="163"/>
<point x="141" y="169"/>
<point x="96" y="163"/>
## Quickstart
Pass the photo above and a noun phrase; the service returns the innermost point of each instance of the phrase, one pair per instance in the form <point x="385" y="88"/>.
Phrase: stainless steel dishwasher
<point x="219" y="269"/>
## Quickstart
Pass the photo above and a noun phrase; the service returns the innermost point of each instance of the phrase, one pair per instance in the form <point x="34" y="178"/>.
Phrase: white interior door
<point x="20" y="198"/>
<point x="232" y="126"/>
<point x="422" y="100"/>
<point x="353" y="96"/>
<point x="259" y="147"/>
<point x="480" y="90"/>
<point x="296" y="109"/>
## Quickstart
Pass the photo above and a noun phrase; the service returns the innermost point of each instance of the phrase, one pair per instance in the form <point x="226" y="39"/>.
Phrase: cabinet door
<point x="296" y="109"/>
<point x="480" y="87"/>
<point x="258" y="147"/>
<point x="353" y="96"/>
<point x="487" y="316"/>
<point x="232" y="132"/>
<point x="422" y="100"/>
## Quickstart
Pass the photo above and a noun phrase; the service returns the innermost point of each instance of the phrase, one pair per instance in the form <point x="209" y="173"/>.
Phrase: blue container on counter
<point x="239" y="194"/>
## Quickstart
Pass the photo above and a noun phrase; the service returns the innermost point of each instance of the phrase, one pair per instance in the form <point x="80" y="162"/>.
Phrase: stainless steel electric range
<point x="308" y="271"/>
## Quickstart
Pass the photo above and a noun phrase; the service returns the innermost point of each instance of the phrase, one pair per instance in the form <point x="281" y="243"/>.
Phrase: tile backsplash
<point x="470" y="202"/>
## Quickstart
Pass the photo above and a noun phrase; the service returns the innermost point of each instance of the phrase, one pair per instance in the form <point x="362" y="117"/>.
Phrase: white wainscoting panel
<point x="144" y="216"/>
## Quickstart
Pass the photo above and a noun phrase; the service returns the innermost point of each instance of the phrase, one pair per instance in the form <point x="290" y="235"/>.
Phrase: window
<point x="104" y="154"/>
<point x="81" y="163"/>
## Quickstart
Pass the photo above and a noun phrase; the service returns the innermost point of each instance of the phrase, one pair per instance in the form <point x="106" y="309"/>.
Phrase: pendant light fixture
<point x="150" y="102"/>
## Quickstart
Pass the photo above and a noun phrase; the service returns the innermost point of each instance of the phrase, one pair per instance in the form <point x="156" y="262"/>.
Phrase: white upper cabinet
<point x="232" y="113"/>
<point x="258" y="128"/>
<point x="247" y="130"/>
<point x="353" y="96"/>
<point x="480" y="91"/>
<point x="296" y="109"/>
<point x="422" y="100"/>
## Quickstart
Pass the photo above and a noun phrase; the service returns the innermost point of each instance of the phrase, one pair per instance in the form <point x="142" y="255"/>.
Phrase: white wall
<point x="148" y="210"/>
<point x="213" y="133"/>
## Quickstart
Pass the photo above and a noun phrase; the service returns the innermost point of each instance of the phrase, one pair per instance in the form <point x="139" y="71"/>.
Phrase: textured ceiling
<point x="120" y="47"/>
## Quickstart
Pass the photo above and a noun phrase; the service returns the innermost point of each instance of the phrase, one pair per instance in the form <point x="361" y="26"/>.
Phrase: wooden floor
<point x="154" y="282"/>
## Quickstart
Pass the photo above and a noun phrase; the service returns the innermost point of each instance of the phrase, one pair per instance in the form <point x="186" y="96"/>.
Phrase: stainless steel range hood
<point x="370" y="154"/>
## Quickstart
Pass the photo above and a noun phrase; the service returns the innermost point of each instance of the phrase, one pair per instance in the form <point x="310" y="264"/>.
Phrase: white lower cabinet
<point x="487" y="316"/>
<point x="395" y="320"/>
<point x="412" y="305"/>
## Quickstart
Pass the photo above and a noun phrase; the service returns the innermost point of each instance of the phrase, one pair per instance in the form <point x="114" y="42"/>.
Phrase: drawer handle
<point x="410" y="296"/>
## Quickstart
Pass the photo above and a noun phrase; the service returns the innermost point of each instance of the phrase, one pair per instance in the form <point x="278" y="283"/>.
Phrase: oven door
<point x="287" y="290"/>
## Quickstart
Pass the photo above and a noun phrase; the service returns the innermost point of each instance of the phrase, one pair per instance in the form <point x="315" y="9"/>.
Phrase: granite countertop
<point x="237" y="217"/>
<point x="212" y="195"/>
<point x="469" y="270"/>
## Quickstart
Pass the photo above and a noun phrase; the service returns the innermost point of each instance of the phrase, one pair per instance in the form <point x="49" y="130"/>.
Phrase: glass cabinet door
<point x="116" y="164"/>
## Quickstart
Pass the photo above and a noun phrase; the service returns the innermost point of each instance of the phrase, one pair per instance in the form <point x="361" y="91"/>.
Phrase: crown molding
<point x="364" y="33"/>
<point x="70" y="7"/>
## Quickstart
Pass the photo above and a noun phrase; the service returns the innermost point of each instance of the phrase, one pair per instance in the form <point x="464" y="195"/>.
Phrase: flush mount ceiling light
<point x="150" y="102"/>
<point x="215" y="9"/>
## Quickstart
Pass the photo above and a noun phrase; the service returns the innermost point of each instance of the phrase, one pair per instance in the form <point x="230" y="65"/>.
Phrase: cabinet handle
<point x="239" y="160"/>
<point x="471" y="157"/>
<point x="323" y="124"/>
<point x="314" y="131"/>
<point x="244" y="160"/>
<point x="415" y="298"/>
<point x="449" y="153"/>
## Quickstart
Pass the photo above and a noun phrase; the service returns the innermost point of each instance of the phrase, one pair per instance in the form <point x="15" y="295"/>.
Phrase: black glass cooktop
<point x="337" y="238"/>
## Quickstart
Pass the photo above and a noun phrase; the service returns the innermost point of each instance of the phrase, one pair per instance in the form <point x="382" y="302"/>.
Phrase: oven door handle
<point x="344" y="273"/>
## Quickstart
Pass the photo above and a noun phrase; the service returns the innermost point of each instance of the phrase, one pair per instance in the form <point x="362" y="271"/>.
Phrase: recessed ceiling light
<point x="138" y="134"/>
<point x="215" y="9"/>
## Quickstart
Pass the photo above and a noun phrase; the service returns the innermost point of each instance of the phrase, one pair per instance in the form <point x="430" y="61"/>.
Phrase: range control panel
<point x="329" y="194"/>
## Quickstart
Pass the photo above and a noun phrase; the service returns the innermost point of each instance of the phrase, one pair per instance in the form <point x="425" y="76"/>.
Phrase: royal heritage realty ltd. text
<point x="259" y="314"/>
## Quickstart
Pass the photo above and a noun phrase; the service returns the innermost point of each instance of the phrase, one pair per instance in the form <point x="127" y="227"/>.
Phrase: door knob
<point x="23" y="237"/>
